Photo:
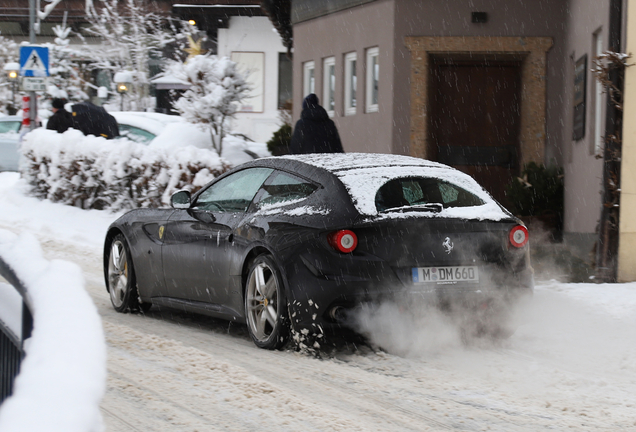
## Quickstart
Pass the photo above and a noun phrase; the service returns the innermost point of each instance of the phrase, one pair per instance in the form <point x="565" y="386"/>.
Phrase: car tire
<point x="266" y="308"/>
<point x="122" y="284"/>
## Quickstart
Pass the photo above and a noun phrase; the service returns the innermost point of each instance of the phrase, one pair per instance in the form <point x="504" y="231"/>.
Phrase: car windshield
<point x="422" y="194"/>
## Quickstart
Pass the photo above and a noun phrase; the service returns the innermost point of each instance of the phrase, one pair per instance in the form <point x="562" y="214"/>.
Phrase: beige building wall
<point x="572" y="25"/>
<point x="627" y="224"/>
<point x="583" y="171"/>
<point x="386" y="24"/>
<point x="355" y="29"/>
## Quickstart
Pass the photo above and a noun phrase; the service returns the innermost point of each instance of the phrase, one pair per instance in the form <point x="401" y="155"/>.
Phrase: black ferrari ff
<point x="293" y="243"/>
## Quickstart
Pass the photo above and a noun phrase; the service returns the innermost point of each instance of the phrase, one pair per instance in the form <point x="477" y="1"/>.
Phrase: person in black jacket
<point x="61" y="119"/>
<point x="315" y="132"/>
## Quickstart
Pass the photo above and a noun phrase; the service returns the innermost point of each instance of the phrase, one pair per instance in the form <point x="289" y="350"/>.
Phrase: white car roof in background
<point x="152" y="122"/>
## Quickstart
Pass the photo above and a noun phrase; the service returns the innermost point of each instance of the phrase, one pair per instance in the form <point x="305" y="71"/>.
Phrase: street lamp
<point x="122" y="81"/>
<point x="12" y="69"/>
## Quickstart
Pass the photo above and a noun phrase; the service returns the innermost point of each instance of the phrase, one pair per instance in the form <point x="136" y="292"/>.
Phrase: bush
<point x="539" y="191"/>
<point x="94" y="173"/>
<point x="279" y="144"/>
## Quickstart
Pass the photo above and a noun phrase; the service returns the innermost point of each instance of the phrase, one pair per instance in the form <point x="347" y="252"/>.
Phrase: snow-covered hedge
<point x="62" y="378"/>
<point x="94" y="173"/>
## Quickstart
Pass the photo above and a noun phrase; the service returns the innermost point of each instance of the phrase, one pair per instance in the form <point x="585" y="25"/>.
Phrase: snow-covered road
<point x="570" y="365"/>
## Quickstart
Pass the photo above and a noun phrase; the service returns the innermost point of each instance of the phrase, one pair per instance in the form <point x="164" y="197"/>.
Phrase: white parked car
<point x="163" y="130"/>
<point x="9" y="142"/>
<point x="142" y="127"/>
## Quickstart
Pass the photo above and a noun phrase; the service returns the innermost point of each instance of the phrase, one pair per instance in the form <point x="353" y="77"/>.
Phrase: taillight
<point x="344" y="241"/>
<point x="519" y="236"/>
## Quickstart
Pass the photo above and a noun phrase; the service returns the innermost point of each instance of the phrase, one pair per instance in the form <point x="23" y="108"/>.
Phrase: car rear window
<point x="423" y="192"/>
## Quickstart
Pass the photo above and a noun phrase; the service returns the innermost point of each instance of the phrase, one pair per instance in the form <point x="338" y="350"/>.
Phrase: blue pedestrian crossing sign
<point x="34" y="61"/>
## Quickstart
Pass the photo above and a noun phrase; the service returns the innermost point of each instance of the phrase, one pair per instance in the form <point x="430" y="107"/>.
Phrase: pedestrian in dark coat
<point x="61" y="119"/>
<point x="315" y="132"/>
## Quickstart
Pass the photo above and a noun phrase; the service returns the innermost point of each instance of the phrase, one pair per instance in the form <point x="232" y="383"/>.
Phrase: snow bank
<point x="63" y="376"/>
<point x="94" y="173"/>
<point x="83" y="229"/>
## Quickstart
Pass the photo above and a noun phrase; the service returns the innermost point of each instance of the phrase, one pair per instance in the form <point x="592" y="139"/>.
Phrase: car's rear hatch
<point x="432" y="250"/>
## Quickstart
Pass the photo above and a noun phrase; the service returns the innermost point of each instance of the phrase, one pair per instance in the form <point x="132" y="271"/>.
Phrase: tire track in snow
<point x="302" y="375"/>
<point x="114" y="417"/>
<point x="191" y="375"/>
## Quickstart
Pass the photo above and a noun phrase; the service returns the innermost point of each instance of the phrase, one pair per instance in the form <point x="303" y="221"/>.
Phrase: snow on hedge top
<point x="364" y="173"/>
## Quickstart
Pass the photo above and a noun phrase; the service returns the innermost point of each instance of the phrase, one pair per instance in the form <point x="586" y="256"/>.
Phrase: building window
<point x="309" y="80"/>
<point x="329" y="85"/>
<point x="351" y="82"/>
<point x="373" y="74"/>
<point x="252" y="66"/>
<point x="598" y="132"/>
<point x="284" y="81"/>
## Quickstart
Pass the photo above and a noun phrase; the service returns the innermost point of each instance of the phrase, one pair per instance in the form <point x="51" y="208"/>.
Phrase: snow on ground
<point x="570" y="365"/>
<point x="65" y="358"/>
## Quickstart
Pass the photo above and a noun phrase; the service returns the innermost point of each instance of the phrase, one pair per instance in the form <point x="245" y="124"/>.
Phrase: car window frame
<point x="254" y="207"/>
<point x="196" y="197"/>
<point x="439" y="181"/>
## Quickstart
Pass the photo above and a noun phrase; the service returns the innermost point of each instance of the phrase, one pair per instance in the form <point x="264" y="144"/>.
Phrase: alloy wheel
<point x="118" y="273"/>
<point x="262" y="302"/>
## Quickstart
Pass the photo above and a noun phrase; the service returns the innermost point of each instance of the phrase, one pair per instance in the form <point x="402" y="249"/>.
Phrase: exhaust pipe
<point x="338" y="314"/>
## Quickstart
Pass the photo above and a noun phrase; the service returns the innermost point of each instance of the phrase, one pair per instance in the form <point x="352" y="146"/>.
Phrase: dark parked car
<point x="295" y="242"/>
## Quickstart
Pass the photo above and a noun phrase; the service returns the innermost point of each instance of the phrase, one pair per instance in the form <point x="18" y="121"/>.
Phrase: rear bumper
<point x="320" y="299"/>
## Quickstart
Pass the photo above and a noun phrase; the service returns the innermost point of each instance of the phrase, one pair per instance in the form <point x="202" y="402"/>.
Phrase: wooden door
<point x="475" y="120"/>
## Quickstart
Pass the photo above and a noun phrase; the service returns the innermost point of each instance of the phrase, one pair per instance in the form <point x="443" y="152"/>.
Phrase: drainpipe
<point x="607" y="245"/>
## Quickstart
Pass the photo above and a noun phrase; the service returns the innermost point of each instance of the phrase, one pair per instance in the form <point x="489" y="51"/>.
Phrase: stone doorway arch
<point x="530" y="51"/>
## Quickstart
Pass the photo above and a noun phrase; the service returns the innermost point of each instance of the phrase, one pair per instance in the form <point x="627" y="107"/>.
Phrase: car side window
<point x="233" y="193"/>
<point x="10" y="127"/>
<point x="285" y="187"/>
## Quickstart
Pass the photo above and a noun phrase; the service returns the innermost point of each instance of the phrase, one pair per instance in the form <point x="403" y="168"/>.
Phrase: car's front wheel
<point x="266" y="304"/>
<point x="122" y="285"/>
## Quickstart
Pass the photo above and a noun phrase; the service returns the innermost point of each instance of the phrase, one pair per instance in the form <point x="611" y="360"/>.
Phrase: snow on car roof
<point x="342" y="161"/>
<point x="154" y="123"/>
<point x="364" y="173"/>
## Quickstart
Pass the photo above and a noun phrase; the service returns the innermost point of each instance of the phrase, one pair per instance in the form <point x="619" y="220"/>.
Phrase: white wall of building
<point x="256" y="35"/>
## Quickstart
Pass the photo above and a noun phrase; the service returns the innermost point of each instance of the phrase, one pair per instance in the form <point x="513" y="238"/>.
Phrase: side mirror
<point x="180" y="200"/>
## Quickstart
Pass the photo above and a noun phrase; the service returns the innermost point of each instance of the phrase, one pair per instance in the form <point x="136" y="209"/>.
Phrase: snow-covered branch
<point x="47" y="9"/>
<point x="131" y="34"/>
<point x="216" y="87"/>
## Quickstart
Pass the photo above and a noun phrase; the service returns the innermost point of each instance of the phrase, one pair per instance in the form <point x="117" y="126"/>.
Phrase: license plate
<point x="445" y="275"/>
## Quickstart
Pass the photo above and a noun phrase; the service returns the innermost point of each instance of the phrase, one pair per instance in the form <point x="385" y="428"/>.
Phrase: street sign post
<point x="34" y="68"/>
<point x="34" y="84"/>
